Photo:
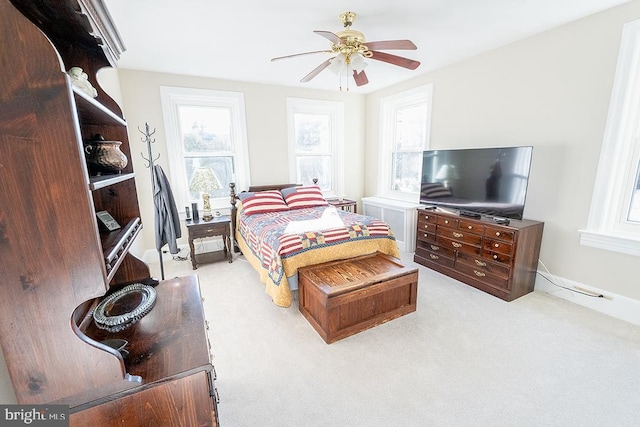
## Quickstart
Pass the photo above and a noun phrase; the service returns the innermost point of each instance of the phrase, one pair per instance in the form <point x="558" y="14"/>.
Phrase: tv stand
<point x="500" y="259"/>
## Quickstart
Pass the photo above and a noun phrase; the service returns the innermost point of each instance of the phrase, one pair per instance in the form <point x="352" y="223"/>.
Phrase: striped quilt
<point x="265" y="236"/>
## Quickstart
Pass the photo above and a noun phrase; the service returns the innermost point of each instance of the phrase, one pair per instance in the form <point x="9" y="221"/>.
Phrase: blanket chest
<point x="342" y="298"/>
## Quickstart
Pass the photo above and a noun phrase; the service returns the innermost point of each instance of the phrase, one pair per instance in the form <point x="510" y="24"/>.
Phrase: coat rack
<point x="167" y="218"/>
<point x="150" y="163"/>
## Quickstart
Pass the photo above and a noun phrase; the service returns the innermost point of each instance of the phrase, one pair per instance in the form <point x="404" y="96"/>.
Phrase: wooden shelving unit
<point x="56" y="263"/>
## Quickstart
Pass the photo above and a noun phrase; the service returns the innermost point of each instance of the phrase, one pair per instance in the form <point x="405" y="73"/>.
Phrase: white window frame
<point x="174" y="97"/>
<point x="607" y="225"/>
<point x="389" y="107"/>
<point x="335" y="111"/>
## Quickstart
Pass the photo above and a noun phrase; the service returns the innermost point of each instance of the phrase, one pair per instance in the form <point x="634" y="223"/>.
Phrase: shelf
<point x="102" y="181"/>
<point x="91" y="112"/>
<point x="116" y="244"/>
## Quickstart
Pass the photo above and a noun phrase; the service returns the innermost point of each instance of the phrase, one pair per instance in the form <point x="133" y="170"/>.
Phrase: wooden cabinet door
<point x="182" y="402"/>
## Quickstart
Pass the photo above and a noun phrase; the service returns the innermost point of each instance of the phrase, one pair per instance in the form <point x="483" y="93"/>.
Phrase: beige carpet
<point x="464" y="358"/>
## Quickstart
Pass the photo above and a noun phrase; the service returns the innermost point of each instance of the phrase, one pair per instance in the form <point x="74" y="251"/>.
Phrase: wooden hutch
<point x="56" y="263"/>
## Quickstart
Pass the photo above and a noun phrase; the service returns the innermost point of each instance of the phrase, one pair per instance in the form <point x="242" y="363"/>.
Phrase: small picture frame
<point x="106" y="221"/>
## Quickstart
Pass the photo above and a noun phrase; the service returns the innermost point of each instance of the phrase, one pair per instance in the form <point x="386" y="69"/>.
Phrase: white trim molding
<point x="334" y="110"/>
<point x="608" y="242"/>
<point x="605" y="302"/>
<point x="389" y="109"/>
<point x="608" y="226"/>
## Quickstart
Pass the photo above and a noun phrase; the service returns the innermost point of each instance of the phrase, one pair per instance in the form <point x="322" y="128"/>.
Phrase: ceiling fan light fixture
<point x="350" y="52"/>
<point x="358" y="63"/>
<point x="342" y="63"/>
<point x="338" y="64"/>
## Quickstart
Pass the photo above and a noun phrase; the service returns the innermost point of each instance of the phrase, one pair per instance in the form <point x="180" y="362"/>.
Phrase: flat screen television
<point x="477" y="181"/>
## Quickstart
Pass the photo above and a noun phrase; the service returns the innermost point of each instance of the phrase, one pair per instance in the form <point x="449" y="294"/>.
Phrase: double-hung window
<point x="405" y="128"/>
<point x="316" y="143"/>
<point x="614" y="217"/>
<point x="206" y="143"/>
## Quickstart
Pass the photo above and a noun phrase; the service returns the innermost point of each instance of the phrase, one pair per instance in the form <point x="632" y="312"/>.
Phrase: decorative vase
<point x="104" y="156"/>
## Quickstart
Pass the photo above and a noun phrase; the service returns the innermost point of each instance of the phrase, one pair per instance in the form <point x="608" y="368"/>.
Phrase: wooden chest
<point x="342" y="298"/>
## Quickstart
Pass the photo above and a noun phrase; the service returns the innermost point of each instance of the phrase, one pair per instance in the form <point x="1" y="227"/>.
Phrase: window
<point x="404" y="136"/>
<point x="316" y="140"/>
<point x="614" y="217"/>
<point x="206" y="143"/>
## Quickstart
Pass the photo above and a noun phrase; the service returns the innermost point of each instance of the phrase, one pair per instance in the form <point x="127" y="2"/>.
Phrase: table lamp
<point x="205" y="181"/>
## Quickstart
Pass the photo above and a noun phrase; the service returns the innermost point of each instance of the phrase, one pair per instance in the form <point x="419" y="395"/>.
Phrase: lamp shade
<point x="341" y="63"/>
<point x="358" y="63"/>
<point x="338" y="65"/>
<point x="204" y="181"/>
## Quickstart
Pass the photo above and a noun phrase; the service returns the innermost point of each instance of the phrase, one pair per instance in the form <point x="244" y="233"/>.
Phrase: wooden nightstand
<point x="220" y="226"/>
<point x="344" y="204"/>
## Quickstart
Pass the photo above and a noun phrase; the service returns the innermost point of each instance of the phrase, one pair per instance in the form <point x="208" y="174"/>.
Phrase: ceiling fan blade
<point x="300" y="54"/>
<point x="316" y="71"/>
<point x="329" y="36"/>
<point x="360" y="78"/>
<point x="391" y="44"/>
<point x="395" y="60"/>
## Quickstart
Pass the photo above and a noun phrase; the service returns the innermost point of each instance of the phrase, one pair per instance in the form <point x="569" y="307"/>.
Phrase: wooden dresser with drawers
<point x="498" y="259"/>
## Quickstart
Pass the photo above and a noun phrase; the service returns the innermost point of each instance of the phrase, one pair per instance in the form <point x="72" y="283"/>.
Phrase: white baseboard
<point x="614" y="305"/>
<point x="151" y="255"/>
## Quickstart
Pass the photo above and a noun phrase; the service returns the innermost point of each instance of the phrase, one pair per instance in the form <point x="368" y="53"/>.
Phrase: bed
<point x="280" y="228"/>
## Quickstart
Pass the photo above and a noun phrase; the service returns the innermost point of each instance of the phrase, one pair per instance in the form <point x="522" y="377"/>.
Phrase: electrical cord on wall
<point x="594" y="295"/>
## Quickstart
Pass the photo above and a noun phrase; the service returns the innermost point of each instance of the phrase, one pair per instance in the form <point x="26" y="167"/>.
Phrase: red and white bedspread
<point x="329" y="234"/>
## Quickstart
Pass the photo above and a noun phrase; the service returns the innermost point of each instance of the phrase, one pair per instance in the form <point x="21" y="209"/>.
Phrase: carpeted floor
<point x="464" y="358"/>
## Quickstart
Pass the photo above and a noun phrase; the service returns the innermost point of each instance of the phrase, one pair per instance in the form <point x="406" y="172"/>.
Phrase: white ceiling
<point x="235" y="40"/>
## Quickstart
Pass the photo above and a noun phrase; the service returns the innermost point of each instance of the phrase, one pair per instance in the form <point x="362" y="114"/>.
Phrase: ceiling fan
<point x="350" y="51"/>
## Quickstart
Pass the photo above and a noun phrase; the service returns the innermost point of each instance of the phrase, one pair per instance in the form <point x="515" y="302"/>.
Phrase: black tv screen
<point x="480" y="181"/>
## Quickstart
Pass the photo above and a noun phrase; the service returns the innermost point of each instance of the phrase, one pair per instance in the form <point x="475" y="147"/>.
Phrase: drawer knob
<point x="498" y="233"/>
<point x="435" y="248"/>
<point x="479" y="273"/>
<point x="470" y="227"/>
<point x="480" y="263"/>
<point x="456" y="244"/>
<point x="495" y="257"/>
<point x="434" y="256"/>
<point x="456" y="234"/>
<point x="497" y="245"/>
<point x="446" y="221"/>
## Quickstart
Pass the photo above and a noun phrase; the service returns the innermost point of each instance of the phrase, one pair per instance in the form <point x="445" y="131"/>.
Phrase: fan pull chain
<point x="348" y="66"/>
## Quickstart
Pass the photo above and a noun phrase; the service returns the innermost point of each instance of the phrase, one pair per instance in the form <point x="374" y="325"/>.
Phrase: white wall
<point x="551" y="91"/>
<point x="265" y="107"/>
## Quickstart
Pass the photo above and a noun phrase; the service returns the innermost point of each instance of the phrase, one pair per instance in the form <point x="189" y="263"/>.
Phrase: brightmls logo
<point x="34" y="415"/>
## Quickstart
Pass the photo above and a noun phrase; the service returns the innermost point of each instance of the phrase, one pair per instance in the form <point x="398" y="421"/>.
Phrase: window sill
<point x="623" y="244"/>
